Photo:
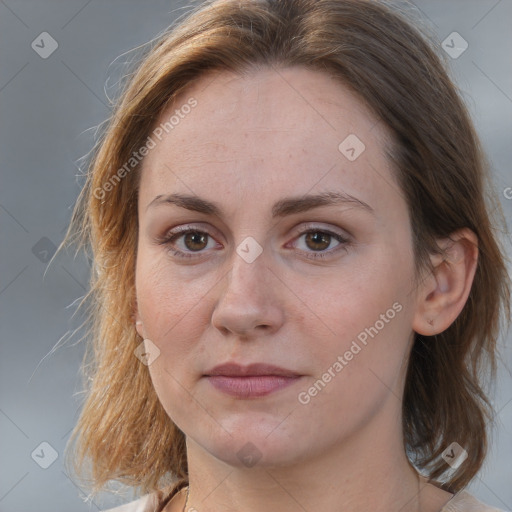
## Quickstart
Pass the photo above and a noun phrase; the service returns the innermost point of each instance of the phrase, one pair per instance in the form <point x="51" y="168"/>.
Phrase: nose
<point x="249" y="304"/>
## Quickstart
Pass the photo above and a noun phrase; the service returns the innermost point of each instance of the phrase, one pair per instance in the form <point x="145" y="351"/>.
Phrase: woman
<point x="296" y="279"/>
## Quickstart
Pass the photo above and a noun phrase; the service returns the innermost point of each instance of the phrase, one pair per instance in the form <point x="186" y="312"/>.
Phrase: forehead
<point x="265" y="132"/>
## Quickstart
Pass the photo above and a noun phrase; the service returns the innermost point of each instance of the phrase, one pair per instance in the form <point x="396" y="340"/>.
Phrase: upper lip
<point x="255" y="369"/>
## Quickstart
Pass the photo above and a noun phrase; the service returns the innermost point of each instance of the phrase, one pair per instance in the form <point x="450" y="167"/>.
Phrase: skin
<point x="250" y="141"/>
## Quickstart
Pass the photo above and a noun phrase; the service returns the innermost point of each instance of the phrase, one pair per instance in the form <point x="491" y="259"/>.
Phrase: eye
<point x="188" y="242"/>
<point x="318" y="240"/>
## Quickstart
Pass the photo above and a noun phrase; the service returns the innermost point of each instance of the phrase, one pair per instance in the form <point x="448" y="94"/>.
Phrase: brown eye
<point x="185" y="242"/>
<point x="195" y="240"/>
<point x="318" y="243"/>
<point x="318" y="240"/>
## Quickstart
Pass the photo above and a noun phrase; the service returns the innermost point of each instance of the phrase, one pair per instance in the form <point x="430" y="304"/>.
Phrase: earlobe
<point x="443" y="294"/>
<point x="139" y="326"/>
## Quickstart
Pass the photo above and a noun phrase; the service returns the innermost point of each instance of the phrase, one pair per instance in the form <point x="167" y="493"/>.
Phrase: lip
<point x="250" y="387"/>
<point x="252" y="381"/>
<point x="251" y="370"/>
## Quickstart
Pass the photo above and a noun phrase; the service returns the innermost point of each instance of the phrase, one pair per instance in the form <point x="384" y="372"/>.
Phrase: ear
<point x="443" y="293"/>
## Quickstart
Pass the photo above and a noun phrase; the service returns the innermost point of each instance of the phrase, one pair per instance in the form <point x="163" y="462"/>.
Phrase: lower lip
<point x="249" y="387"/>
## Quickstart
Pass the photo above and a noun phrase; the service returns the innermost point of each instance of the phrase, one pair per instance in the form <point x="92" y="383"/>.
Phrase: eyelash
<point x="172" y="237"/>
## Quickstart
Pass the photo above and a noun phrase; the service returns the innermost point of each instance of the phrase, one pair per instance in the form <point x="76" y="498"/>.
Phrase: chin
<point x="254" y="445"/>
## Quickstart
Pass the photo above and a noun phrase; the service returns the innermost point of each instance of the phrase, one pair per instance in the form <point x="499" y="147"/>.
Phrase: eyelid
<point x="184" y="228"/>
<point x="308" y="226"/>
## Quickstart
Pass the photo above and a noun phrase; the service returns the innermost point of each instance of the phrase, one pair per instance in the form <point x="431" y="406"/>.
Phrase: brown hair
<point x="376" y="52"/>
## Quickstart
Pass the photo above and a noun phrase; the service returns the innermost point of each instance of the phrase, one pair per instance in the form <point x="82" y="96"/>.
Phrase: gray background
<point x="49" y="109"/>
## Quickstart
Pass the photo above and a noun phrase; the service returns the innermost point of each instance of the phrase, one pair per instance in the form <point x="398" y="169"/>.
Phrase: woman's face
<point x="271" y="273"/>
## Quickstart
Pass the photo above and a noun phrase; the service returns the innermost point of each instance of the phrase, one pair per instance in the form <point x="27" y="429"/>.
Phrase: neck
<point x="368" y="471"/>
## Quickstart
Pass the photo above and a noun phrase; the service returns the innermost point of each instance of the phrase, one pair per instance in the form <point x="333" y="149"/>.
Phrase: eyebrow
<point x="282" y="208"/>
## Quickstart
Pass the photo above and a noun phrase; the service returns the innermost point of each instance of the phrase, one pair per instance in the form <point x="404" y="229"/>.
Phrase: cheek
<point x="353" y="297"/>
<point x="359" y="361"/>
<point x="164" y="299"/>
<point x="169" y="308"/>
<point x="175" y="311"/>
<point x="364" y="314"/>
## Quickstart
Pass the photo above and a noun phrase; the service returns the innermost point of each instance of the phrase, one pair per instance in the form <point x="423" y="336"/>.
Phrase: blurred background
<point x="58" y="63"/>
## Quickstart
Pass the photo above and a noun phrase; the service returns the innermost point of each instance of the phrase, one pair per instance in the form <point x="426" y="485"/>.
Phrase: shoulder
<point x="144" y="504"/>
<point x="463" y="501"/>
<point x="152" y="501"/>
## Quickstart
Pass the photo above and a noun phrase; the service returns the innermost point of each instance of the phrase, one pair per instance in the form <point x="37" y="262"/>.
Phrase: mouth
<point x="255" y="380"/>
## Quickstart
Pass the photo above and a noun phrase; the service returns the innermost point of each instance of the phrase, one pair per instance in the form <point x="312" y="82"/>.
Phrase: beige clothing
<point x="463" y="501"/>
